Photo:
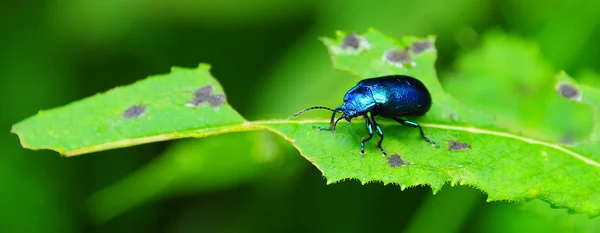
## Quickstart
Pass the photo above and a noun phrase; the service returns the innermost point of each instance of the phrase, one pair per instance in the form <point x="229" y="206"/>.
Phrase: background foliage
<point x="54" y="52"/>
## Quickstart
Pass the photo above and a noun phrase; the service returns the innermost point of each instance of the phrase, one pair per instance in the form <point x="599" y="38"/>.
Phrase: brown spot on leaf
<point x="351" y="40"/>
<point x="200" y="95"/>
<point x="134" y="111"/>
<point x="454" y="116"/>
<point x="567" y="138"/>
<point x="204" y="94"/>
<point x="399" y="58"/>
<point x="216" y="100"/>
<point x="454" y="145"/>
<point x="396" y="161"/>
<point x="419" y="47"/>
<point x="352" y="44"/>
<point x="569" y="92"/>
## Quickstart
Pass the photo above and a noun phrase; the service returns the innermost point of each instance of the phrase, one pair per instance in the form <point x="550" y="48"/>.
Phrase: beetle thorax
<point x="357" y="101"/>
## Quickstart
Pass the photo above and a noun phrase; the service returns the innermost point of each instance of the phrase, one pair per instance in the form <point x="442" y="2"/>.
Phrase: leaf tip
<point x="330" y="181"/>
<point x="453" y="183"/>
<point x="14" y="130"/>
<point x="61" y="152"/>
<point x="203" y="65"/>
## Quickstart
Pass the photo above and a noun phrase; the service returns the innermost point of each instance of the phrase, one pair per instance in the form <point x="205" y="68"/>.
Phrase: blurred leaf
<point x="114" y="19"/>
<point x="503" y="164"/>
<point x="37" y="193"/>
<point x="409" y="17"/>
<point x="225" y="13"/>
<point x="532" y="217"/>
<point x="451" y="208"/>
<point x="159" y="108"/>
<point x="588" y="77"/>
<point x="565" y="29"/>
<point x="207" y="164"/>
<point x="514" y="83"/>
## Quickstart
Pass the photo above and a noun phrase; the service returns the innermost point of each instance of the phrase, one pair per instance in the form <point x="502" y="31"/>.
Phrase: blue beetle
<point x="392" y="96"/>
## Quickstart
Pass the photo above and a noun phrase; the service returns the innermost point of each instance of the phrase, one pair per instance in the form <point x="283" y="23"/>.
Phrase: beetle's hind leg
<point x="415" y="125"/>
<point x="380" y="133"/>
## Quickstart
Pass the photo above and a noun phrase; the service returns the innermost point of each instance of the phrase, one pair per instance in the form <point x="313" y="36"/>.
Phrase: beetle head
<point x="358" y="101"/>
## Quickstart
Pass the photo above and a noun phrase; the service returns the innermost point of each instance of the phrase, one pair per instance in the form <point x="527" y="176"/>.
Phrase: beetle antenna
<point x="331" y="126"/>
<point x="313" y="108"/>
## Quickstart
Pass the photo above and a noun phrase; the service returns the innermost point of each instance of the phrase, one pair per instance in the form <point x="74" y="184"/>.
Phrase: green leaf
<point x="475" y="150"/>
<point x="156" y="109"/>
<point x="511" y="76"/>
<point x="503" y="164"/>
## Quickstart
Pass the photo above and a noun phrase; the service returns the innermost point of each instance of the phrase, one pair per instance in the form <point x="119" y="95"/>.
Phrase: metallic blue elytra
<point x="392" y="96"/>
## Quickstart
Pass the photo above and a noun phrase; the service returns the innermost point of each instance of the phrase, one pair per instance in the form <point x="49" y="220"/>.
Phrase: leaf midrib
<point x="264" y="124"/>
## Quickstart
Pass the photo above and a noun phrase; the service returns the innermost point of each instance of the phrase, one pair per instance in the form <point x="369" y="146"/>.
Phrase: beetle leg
<point x="380" y="133"/>
<point x="370" y="131"/>
<point x="415" y="125"/>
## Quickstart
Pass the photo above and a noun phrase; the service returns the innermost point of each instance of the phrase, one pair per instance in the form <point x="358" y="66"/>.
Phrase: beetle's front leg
<point x="369" y="126"/>
<point x="380" y="133"/>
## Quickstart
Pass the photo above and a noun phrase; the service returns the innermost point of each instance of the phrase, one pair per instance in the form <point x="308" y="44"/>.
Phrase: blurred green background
<point x="267" y="55"/>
